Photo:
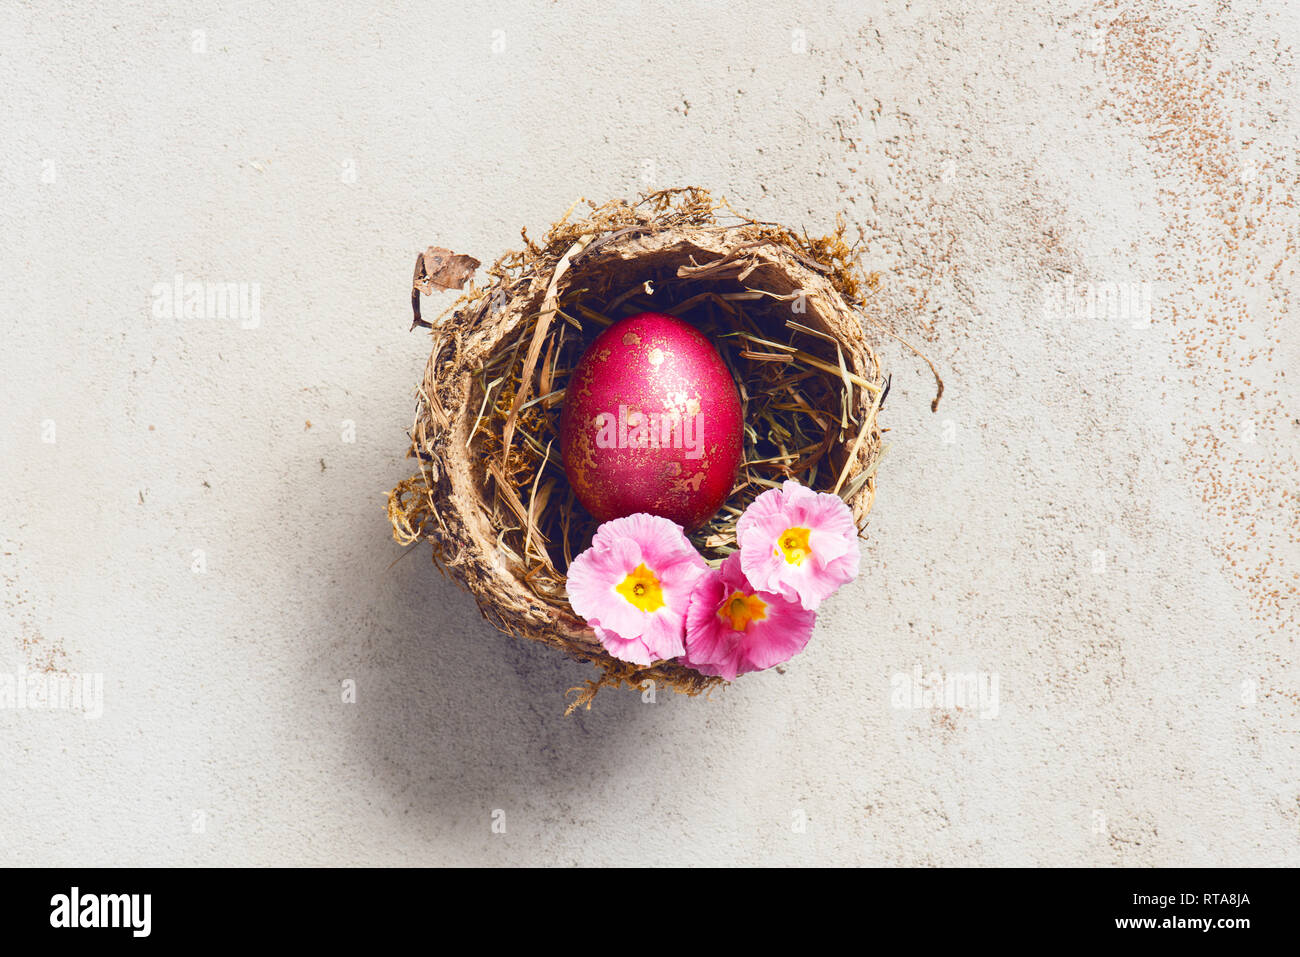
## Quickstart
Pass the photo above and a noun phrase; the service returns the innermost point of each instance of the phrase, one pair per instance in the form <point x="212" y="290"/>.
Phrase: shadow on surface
<point x="460" y="719"/>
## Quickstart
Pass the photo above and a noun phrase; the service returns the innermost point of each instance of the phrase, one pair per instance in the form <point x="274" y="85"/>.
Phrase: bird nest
<point x="787" y="313"/>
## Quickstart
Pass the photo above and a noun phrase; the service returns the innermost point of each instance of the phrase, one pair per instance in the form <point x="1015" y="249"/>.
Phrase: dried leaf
<point x="441" y="269"/>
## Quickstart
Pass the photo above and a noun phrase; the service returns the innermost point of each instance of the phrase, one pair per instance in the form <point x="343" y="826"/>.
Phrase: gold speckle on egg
<point x="691" y="484"/>
<point x="656" y="357"/>
<point x="585" y="452"/>
<point x="631" y="339"/>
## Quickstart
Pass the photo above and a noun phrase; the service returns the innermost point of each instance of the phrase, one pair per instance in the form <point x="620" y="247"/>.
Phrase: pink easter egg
<point x="652" y="423"/>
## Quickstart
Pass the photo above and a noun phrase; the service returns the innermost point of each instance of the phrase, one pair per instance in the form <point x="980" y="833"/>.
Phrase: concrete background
<point x="1102" y="513"/>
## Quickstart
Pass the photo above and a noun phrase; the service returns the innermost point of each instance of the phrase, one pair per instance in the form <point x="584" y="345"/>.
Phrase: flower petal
<point x="714" y="647"/>
<point x="780" y="636"/>
<point x="663" y="636"/>
<point x="832" y="543"/>
<point x="624" y="649"/>
<point x="618" y="548"/>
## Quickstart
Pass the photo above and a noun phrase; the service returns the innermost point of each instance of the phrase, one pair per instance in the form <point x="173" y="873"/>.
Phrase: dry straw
<point x="787" y="314"/>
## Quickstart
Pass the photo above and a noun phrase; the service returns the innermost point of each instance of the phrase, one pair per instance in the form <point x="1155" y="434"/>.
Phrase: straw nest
<point x="787" y="314"/>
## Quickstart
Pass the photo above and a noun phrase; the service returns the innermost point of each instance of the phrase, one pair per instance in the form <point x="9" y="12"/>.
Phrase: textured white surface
<point x="1147" y="698"/>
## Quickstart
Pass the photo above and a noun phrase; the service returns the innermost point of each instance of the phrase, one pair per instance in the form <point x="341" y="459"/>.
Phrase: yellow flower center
<point x="793" y="544"/>
<point x="740" y="609"/>
<point x="641" y="589"/>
